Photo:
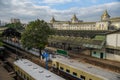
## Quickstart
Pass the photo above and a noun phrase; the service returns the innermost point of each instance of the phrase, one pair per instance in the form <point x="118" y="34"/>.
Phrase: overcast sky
<point x="29" y="10"/>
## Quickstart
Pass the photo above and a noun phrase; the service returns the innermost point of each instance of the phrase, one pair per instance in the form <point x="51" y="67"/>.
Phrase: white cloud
<point x="92" y="13"/>
<point x="57" y="1"/>
<point x="26" y="10"/>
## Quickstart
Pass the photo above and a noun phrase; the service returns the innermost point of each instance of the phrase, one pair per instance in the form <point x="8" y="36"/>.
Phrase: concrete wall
<point x="86" y="52"/>
<point x="113" y="57"/>
<point x="118" y="41"/>
<point x="98" y="54"/>
<point x="113" y="40"/>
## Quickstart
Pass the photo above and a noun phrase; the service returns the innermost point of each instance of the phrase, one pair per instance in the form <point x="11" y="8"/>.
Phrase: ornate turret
<point x="74" y="19"/>
<point x="52" y="20"/>
<point x="105" y="16"/>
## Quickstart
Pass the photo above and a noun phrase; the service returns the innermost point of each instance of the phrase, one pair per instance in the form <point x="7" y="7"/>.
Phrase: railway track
<point x="109" y="65"/>
<point x="28" y="56"/>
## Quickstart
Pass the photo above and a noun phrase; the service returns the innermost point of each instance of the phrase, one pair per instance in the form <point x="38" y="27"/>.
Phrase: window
<point x="90" y="79"/>
<point x="24" y="76"/>
<point x="67" y="70"/>
<point x="27" y="78"/>
<point x="117" y="52"/>
<point x="54" y="65"/>
<point x="94" y="52"/>
<point x="110" y="51"/>
<point x="82" y="77"/>
<point x="20" y="73"/>
<point x="61" y="68"/>
<point x="75" y="74"/>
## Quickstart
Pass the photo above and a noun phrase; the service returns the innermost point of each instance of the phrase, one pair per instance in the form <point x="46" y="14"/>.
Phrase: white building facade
<point x="106" y="23"/>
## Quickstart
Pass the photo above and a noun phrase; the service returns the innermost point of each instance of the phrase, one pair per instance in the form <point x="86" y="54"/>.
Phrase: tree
<point x="11" y="32"/>
<point x="18" y="26"/>
<point x="36" y="35"/>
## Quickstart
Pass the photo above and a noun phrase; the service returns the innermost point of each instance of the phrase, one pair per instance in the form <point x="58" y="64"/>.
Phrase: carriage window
<point x="27" y="78"/>
<point x="61" y="68"/>
<point x="24" y="76"/>
<point x="67" y="70"/>
<point x="75" y="74"/>
<point x="82" y="77"/>
<point x="18" y="72"/>
<point x="21" y="74"/>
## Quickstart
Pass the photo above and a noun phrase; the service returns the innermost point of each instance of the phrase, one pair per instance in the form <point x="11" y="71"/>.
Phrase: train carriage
<point x="74" y="70"/>
<point x="28" y="70"/>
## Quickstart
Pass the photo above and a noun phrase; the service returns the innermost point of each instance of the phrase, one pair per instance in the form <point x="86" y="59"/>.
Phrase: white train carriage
<point x="28" y="70"/>
<point x="75" y="70"/>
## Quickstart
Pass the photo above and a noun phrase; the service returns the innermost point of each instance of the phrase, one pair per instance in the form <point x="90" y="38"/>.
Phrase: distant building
<point x="14" y="20"/>
<point x="106" y="23"/>
<point x="2" y="23"/>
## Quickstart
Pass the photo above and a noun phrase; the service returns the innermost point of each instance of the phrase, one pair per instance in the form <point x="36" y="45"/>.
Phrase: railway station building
<point x="90" y="38"/>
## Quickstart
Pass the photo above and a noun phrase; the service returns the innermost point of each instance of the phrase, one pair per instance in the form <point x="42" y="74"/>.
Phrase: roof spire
<point x="52" y="20"/>
<point x="105" y="15"/>
<point x="74" y="19"/>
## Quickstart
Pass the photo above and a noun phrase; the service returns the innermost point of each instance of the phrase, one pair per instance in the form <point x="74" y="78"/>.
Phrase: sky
<point x="63" y="10"/>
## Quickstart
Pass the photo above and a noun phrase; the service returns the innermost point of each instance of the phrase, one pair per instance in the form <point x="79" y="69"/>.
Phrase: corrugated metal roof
<point x="79" y="41"/>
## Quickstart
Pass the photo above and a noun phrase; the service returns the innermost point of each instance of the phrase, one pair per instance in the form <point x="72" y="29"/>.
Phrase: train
<point x="27" y="70"/>
<point x="75" y="70"/>
<point x="69" y="69"/>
